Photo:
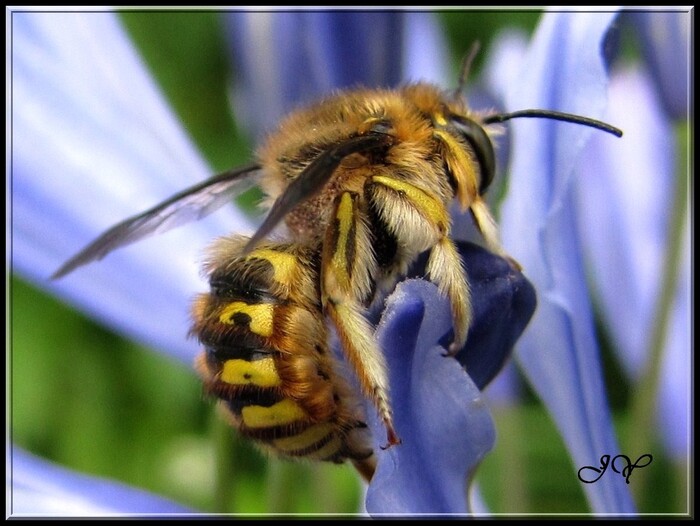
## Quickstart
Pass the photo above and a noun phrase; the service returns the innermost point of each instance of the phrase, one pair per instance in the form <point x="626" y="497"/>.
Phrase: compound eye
<point x="480" y="142"/>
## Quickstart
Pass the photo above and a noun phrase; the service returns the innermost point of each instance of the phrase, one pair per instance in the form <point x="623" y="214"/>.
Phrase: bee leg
<point x="446" y="271"/>
<point x="346" y="271"/>
<point x="486" y="224"/>
<point x="419" y="221"/>
<point x="364" y="354"/>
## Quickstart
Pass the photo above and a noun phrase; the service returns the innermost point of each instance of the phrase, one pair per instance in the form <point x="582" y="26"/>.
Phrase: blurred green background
<point x="92" y="401"/>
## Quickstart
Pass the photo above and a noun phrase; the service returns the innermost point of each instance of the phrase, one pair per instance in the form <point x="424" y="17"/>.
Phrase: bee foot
<point x="391" y="437"/>
<point x="453" y="349"/>
<point x="514" y="264"/>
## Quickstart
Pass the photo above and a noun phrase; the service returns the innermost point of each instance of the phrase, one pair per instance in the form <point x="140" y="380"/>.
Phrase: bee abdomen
<point x="308" y="427"/>
<point x="319" y="441"/>
<point x="267" y="358"/>
<point x="282" y="419"/>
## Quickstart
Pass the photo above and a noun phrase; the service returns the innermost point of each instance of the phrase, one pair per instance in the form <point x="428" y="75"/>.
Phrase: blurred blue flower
<point x="43" y="489"/>
<point x="664" y="37"/>
<point x="562" y="70"/>
<point x="93" y="141"/>
<point x="646" y="221"/>
<point x="82" y="98"/>
<point x="603" y="220"/>
<point x="646" y="309"/>
<point x="332" y="51"/>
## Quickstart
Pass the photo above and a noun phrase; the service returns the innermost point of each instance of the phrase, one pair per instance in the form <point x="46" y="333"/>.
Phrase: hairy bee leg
<point x="365" y="357"/>
<point x="420" y="222"/>
<point x="346" y="269"/>
<point x="486" y="224"/>
<point x="471" y="183"/>
<point x="446" y="271"/>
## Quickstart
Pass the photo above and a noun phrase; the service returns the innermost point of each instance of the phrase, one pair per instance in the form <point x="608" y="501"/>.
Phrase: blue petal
<point x="503" y="301"/>
<point x="425" y="52"/>
<point x="438" y="410"/>
<point x="42" y="489"/>
<point x="634" y="182"/>
<point x="503" y="62"/>
<point x="665" y="39"/>
<point x="563" y="71"/>
<point x="284" y="59"/>
<point x="445" y="427"/>
<point x="93" y="142"/>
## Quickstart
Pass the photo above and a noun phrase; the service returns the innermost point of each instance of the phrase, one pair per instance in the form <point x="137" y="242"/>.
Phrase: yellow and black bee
<point x="364" y="181"/>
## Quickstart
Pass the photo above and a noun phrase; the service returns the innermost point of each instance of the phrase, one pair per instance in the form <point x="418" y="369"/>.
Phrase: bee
<point x="363" y="181"/>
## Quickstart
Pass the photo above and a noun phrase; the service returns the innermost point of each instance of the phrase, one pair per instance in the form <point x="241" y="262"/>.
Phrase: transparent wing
<point x="189" y="205"/>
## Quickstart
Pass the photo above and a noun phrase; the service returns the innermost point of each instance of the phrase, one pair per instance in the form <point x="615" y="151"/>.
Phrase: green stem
<point x="644" y="404"/>
<point x="224" y="493"/>
<point x="514" y="487"/>
<point x="285" y="483"/>
<point x="682" y="489"/>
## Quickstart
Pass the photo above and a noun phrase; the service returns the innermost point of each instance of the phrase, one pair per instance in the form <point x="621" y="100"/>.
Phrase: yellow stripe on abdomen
<point x="284" y="265"/>
<point x="282" y="413"/>
<point x="319" y="442"/>
<point x="328" y="450"/>
<point x="258" y="315"/>
<point x="305" y="439"/>
<point x="261" y="373"/>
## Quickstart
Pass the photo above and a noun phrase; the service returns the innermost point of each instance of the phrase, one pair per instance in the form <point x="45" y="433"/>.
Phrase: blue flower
<point x="604" y="217"/>
<point x="647" y="220"/>
<point x="638" y="236"/>
<point x="440" y="413"/>
<point x="85" y="109"/>
<point x="559" y="353"/>
<point x="78" y="82"/>
<point x="43" y="489"/>
<point x="334" y="50"/>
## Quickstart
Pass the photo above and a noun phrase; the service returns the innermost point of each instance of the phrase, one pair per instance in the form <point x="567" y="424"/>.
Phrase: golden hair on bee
<point x="363" y="181"/>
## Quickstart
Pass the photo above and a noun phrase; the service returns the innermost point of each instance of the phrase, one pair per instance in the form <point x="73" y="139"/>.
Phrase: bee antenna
<point x="467" y="64"/>
<point x="465" y="68"/>
<point x="555" y="115"/>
